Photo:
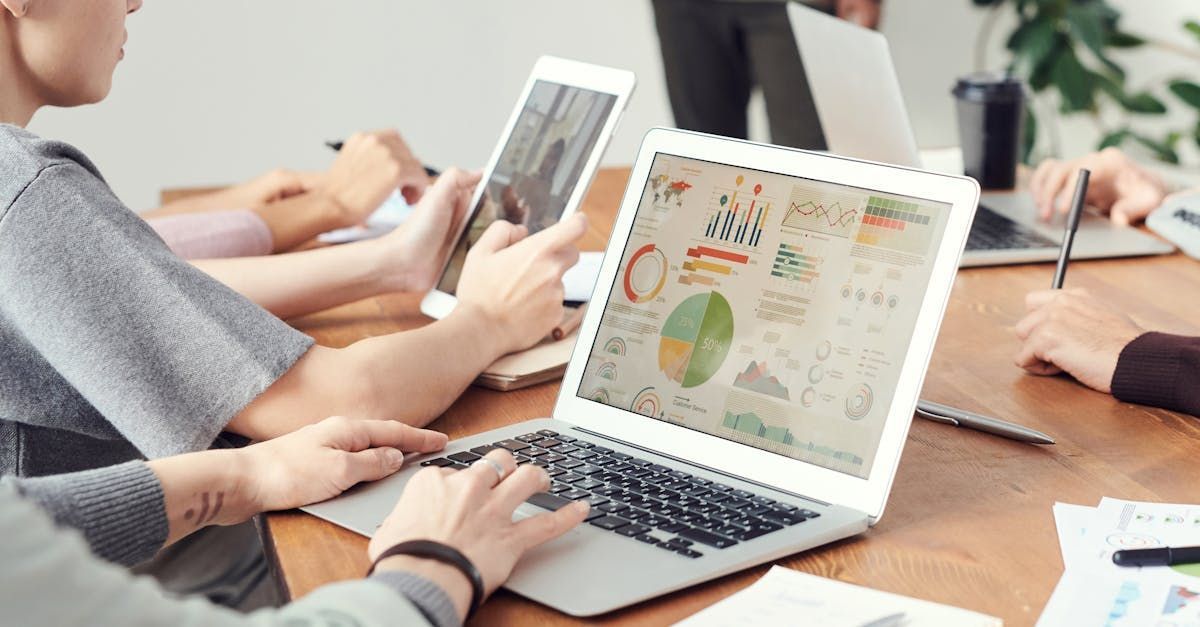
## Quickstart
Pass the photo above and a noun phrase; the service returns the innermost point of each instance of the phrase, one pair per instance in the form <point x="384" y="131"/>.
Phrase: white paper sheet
<point x="1094" y="591"/>
<point x="581" y="278"/>
<point x="787" y="597"/>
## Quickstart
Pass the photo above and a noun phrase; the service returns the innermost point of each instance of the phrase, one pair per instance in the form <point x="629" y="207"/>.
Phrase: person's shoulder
<point x="24" y="157"/>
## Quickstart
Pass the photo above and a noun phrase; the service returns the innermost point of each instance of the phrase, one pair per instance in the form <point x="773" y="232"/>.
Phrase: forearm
<point x="299" y="283"/>
<point x="1161" y="370"/>
<point x="299" y="219"/>
<point x="411" y="376"/>
<point x="211" y="487"/>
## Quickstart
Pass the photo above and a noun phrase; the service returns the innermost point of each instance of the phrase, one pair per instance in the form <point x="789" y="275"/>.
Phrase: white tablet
<point x="545" y="159"/>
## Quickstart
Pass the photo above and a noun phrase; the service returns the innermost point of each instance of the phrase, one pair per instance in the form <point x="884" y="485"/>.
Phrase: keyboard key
<point x="535" y="452"/>
<point x="601" y="450"/>
<point x="574" y="494"/>
<point x="707" y="537"/>
<point x="457" y="466"/>
<point x="679" y="474"/>
<point x="666" y="546"/>
<point x="530" y="438"/>
<point x="742" y="494"/>
<point x="633" y="530"/>
<point x="439" y="462"/>
<point x="701" y="481"/>
<point x="553" y="458"/>
<point x="660" y="468"/>
<point x="717" y="497"/>
<point x="689" y="553"/>
<point x="548" y="433"/>
<point x="613" y="507"/>
<point x="569" y="464"/>
<point x="725" y="514"/>
<point x="566" y="438"/>
<point x="570" y="477"/>
<point x="484" y="450"/>
<point x="555" y="472"/>
<point x="672" y="527"/>
<point x="560" y="487"/>
<point x="588" y="484"/>
<point x="639" y="462"/>
<point x="648" y="539"/>
<point x="733" y="503"/>
<point x="654" y="520"/>
<point x="721" y="487"/>
<point x="783" y="518"/>
<point x="548" y="501"/>
<point x="595" y="500"/>
<point x="682" y="542"/>
<point x="608" y="491"/>
<point x="610" y="522"/>
<point x="787" y="507"/>
<point x="512" y="445"/>
<point x="566" y="449"/>
<point x="582" y="454"/>
<point x="808" y="513"/>
<point x="464" y="457"/>
<point x="634" y="513"/>
<point x="758" y="530"/>
<point x="762" y="500"/>
<point x="582" y="444"/>
<point x="548" y="443"/>
<point x="593" y="514"/>
<point x="523" y="458"/>
<point x="620" y="456"/>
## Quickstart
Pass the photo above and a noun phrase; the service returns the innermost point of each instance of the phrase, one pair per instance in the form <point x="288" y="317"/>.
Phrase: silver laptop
<point x="858" y="99"/>
<point x="744" y="380"/>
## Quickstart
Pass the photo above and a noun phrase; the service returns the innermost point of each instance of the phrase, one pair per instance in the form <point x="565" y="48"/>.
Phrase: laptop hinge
<point x="708" y="468"/>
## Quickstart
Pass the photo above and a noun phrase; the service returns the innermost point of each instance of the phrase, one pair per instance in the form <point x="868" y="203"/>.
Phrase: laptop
<point x="862" y="112"/>
<point x="744" y="380"/>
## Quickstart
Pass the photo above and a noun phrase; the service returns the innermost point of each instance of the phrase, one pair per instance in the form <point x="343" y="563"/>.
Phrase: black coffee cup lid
<point x="989" y="87"/>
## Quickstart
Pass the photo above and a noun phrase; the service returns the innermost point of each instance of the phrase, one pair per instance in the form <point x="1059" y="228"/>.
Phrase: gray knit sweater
<point x="48" y="576"/>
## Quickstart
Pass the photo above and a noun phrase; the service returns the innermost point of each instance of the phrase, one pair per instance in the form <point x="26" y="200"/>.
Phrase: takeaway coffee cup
<point x="991" y="125"/>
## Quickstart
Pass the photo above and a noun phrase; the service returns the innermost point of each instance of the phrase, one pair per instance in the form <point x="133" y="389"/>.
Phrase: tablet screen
<point x="771" y="310"/>
<point x="540" y="165"/>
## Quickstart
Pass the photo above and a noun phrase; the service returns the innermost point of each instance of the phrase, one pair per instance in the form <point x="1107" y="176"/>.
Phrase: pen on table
<point x="572" y="317"/>
<point x="1163" y="556"/>
<point x="969" y="420"/>
<point x="336" y="146"/>
<point x="1064" y="253"/>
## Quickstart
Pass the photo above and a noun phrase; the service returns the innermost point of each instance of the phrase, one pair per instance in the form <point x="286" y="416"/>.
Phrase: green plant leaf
<point x="1040" y="76"/>
<point x="1114" y="139"/>
<point x="1074" y="82"/>
<point x="1164" y="150"/>
<point x="1032" y="44"/>
<point x="1193" y="27"/>
<point x="1145" y="103"/>
<point x="1029" y="140"/>
<point x="986" y="3"/>
<point x="1118" y="39"/>
<point x="1187" y="91"/>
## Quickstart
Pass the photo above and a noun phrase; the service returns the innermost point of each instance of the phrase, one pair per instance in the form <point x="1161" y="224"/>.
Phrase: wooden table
<point x="969" y="520"/>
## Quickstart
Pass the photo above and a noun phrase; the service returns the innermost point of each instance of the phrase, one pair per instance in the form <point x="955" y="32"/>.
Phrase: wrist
<point x="245" y="474"/>
<point x="482" y="328"/>
<point x="454" y="583"/>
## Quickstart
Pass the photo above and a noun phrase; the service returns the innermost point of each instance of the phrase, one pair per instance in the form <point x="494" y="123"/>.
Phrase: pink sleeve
<point x="215" y="234"/>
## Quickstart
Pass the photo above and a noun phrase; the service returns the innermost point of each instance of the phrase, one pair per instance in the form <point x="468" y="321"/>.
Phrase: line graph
<point x="815" y="209"/>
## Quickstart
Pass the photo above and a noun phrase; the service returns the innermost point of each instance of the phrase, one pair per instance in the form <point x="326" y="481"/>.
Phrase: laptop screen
<point x="542" y="162"/>
<point x="771" y="310"/>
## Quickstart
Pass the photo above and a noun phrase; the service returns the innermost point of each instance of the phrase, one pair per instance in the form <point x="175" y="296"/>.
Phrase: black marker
<point x="1165" y="556"/>
<point x="1064" y="253"/>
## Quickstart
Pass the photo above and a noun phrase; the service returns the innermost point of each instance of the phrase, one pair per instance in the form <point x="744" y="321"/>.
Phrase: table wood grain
<point x="969" y="521"/>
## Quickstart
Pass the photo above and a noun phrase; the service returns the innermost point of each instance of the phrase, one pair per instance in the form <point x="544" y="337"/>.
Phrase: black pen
<point x="1164" y="556"/>
<point x="1064" y="253"/>
<point x="336" y="146"/>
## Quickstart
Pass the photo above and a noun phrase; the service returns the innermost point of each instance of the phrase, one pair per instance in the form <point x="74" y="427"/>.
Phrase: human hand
<point x="864" y="13"/>
<point x="471" y="510"/>
<point x="322" y="460"/>
<point x="369" y="167"/>
<point x="1117" y="185"/>
<point x="1070" y="331"/>
<point x="514" y="280"/>
<point x="414" y="253"/>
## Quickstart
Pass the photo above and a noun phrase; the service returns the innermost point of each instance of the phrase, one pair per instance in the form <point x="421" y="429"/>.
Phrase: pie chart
<point x="695" y="339"/>
<point x="645" y="274"/>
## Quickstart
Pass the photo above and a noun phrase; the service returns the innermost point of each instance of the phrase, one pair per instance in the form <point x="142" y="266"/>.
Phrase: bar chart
<point x="737" y="217"/>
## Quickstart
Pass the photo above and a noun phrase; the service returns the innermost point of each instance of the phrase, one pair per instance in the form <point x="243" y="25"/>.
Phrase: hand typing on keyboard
<point x="636" y="498"/>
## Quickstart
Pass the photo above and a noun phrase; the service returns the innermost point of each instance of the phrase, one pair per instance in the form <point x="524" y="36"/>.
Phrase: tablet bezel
<point x="620" y="83"/>
<point x="866" y="495"/>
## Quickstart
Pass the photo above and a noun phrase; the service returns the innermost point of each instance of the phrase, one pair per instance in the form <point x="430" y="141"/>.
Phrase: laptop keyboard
<point x="634" y="497"/>
<point x="992" y="231"/>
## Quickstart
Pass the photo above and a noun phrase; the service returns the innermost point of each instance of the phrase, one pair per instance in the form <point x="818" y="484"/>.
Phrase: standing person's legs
<point x="704" y="59"/>
<point x="775" y="61"/>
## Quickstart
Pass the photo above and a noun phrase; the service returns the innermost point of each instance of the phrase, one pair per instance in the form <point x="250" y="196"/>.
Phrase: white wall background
<point x="217" y="91"/>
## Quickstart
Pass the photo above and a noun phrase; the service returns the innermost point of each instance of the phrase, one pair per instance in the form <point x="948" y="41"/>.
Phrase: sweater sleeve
<point x="119" y="510"/>
<point x="47" y="577"/>
<point x="215" y="234"/>
<point x="1162" y="370"/>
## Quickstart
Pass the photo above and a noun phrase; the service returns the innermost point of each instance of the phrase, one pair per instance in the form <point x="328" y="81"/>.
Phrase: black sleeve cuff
<point x="1161" y="370"/>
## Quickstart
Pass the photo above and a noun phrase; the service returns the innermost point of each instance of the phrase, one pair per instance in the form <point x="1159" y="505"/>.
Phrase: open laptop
<point x="745" y="378"/>
<point x="858" y="99"/>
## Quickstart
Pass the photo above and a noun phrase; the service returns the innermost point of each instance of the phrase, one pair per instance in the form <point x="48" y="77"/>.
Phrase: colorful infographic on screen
<point x="771" y="310"/>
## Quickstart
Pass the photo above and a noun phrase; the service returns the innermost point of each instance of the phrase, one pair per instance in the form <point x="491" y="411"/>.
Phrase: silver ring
<point x="495" y="466"/>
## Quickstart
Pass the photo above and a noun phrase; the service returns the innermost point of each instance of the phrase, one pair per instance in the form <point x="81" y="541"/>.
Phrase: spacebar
<point x="548" y="501"/>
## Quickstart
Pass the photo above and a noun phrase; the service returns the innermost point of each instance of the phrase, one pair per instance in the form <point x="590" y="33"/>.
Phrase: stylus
<point x="968" y="420"/>
<point x="1064" y="253"/>
<point x="336" y="146"/>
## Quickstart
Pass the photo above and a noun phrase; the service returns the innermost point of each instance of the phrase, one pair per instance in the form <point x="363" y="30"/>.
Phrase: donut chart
<point x="645" y="274"/>
<point x="859" y="400"/>
<point x="695" y="339"/>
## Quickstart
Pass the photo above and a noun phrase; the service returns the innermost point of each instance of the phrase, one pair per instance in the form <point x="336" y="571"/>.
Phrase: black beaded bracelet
<point x="445" y="554"/>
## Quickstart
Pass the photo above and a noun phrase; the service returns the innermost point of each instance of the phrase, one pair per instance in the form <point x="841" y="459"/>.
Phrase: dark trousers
<point x="715" y="52"/>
